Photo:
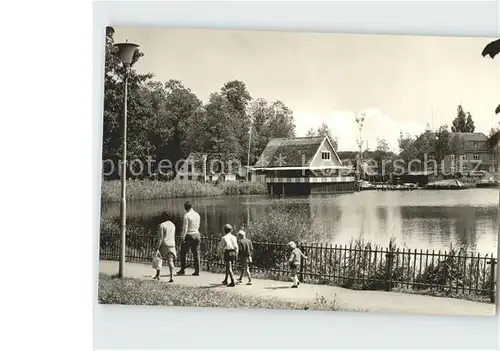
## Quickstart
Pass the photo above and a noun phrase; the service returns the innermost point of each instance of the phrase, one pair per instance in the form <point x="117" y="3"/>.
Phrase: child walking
<point x="245" y="252"/>
<point x="166" y="246"/>
<point x="228" y="248"/>
<point x="294" y="262"/>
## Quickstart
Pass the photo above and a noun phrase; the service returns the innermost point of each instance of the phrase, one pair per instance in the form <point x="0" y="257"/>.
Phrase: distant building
<point x="193" y="168"/>
<point x="204" y="168"/>
<point x="469" y="152"/>
<point x="303" y="166"/>
<point x="421" y="178"/>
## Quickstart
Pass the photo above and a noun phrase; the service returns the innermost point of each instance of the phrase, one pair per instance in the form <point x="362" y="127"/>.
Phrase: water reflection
<point x="417" y="219"/>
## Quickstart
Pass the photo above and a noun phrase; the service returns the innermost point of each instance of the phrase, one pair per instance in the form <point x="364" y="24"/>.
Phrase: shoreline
<point x="155" y="189"/>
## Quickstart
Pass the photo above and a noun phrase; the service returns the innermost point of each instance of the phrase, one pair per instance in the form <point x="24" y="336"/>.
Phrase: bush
<point x="282" y="225"/>
<point x="130" y="291"/>
<point x="277" y="228"/>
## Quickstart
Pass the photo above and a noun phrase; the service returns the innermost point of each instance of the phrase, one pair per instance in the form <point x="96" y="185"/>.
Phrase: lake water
<point x="420" y="219"/>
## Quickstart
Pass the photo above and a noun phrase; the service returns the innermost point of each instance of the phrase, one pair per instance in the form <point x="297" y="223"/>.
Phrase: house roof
<point x="290" y="152"/>
<point x="470" y="137"/>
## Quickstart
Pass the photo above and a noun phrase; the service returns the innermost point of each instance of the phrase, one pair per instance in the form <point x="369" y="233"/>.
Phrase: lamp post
<point x="126" y="51"/>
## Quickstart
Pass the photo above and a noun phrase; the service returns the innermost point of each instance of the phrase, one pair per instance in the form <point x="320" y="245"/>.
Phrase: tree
<point x="492" y="50"/>
<point x="463" y="123"/>
<point x="268" y="122"/>
<point x="407" y="149"/>
<point x="425" y="147"/>
<point x="282" y="124"/>
<point x="168" y="121"/>
<point x="182" y="107"/>
<point x="493" y="142"/>
<point x="442" y="144"/>
<point x="238" y="97"/>
<point x="322" y="131"/>
<point x="469" y="124"/>
<point x="382" y="145"/>
<point x="222" y="139"/>
<point x="494" y="130"/>
<point x="457" y="145"/>
<point x="139" y="111"/>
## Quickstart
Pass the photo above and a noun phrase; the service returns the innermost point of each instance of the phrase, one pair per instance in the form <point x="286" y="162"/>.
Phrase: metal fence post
<point x="390" y="258"/>
<point x="492" y="280"/>
<point x="208" y="253"/>
<point x="302" y="262"/>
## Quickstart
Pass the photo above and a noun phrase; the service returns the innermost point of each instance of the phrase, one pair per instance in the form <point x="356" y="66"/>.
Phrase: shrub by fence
<point x="456" y="272"/>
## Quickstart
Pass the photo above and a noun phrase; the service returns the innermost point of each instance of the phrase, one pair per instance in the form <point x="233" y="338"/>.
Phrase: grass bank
<point x="151" y="189"/>
<point x="131" y="291"/>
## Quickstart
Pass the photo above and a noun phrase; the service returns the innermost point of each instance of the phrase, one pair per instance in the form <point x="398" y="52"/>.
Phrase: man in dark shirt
<point x="245" y="252"/>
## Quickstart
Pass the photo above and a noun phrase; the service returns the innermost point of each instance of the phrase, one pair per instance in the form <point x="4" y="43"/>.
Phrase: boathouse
<point x="303" y="166"/>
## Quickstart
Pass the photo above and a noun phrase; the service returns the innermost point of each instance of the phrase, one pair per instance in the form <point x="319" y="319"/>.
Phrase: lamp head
<point x="126" y="51"/>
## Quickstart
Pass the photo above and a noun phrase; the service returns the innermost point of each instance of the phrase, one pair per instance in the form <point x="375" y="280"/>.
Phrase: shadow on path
<point x="277" y="287"/>
<point x="211" y="286"/>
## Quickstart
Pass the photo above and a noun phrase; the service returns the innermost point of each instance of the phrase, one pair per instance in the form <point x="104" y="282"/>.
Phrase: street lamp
<point x="126" y="51"/>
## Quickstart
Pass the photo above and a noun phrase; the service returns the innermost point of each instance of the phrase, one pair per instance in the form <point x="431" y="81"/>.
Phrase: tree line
<point x="428" y="145"/>
<point x="167" y="121"/>
<point x="436" y="144"/>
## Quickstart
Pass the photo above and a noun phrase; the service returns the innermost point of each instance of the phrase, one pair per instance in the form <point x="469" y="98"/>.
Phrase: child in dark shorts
<point x="228" y="248"/>
<point x="245" y="251"/>
<point x="294" y="262"/>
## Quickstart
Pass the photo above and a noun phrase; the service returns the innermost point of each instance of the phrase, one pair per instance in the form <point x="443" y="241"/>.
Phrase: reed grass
<point x="155" y="189"/>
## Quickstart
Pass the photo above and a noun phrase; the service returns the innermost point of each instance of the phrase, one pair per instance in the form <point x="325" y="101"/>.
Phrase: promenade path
<point x="371" y="301"/>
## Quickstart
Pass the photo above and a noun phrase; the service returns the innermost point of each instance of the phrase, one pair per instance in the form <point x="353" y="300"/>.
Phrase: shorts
<point x="243" y="260"/>
<point x="229" y="255"/>
<point x="166" y="251"/>
<point x="294" y="266"/>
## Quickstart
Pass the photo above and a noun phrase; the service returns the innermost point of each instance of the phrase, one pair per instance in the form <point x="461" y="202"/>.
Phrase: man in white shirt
<point x="166" y="243"/>
<point x="190" y="239"/>
<point x="228" y="247"/>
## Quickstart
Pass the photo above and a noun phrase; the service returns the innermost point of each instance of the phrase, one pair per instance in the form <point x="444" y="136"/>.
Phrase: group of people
<point x="231" y="247"/>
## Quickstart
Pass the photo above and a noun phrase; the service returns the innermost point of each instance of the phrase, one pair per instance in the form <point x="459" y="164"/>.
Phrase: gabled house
<point x="469" y="152"/>
<point x="303" y="166"/>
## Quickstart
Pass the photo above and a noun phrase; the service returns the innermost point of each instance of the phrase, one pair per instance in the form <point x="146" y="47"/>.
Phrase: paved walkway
<point x="372" y="301"/>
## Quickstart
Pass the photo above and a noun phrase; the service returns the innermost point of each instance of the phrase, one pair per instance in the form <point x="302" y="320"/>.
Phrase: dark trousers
<point x="191" y="242"/>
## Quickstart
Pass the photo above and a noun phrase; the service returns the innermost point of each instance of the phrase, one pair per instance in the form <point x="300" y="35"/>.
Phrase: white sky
<point x="400" y="82"/>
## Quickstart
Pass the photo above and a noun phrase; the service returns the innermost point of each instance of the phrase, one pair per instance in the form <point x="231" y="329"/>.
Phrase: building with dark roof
<point x="303" y="166"/>
<point x="469" y="153"/>
<point x="205" y="168"/>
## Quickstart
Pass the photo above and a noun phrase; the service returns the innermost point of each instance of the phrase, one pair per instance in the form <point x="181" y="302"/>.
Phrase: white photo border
<point x="148" y="327"/>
